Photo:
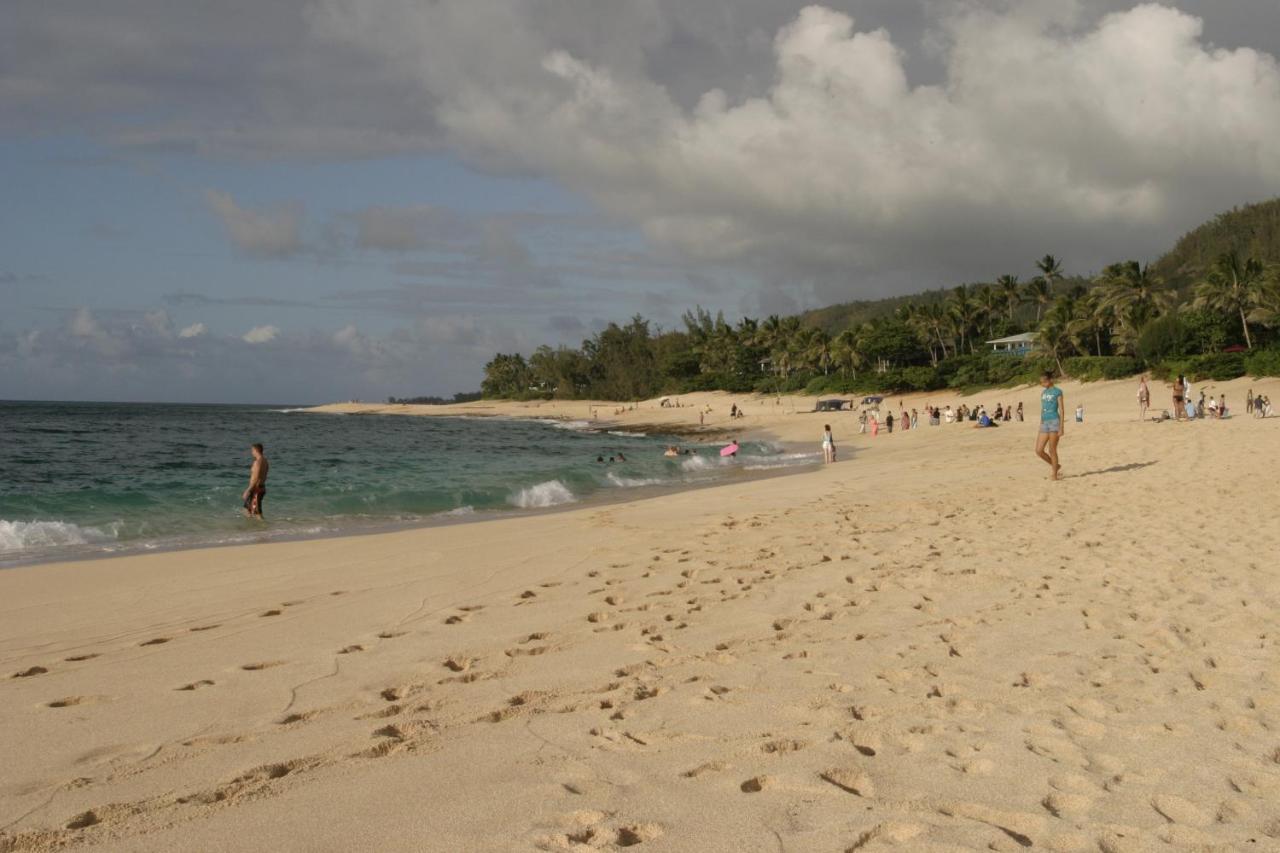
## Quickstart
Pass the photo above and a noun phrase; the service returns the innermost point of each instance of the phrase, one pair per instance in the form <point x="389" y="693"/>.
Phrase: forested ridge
<point x="1209" y="307"/>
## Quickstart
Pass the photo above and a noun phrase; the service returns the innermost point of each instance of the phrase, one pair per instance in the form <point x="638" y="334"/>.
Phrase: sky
<point x="313" y="200"/>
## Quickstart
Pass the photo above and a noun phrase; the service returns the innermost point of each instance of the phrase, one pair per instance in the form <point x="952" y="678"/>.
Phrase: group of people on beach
<point x="1052" y="421"/>
<point x="1187" y="408"/>
<point x="870" y="422"/>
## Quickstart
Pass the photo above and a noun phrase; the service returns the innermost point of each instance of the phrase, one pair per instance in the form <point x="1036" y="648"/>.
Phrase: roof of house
<point x="1024" y="338"/>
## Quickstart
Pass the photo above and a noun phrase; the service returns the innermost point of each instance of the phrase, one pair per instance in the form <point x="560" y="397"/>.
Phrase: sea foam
<point x="19" y="536"/>
<point x="699" y="463"/>
<point x="550" y="493"/>
<point x="632" y="482"/>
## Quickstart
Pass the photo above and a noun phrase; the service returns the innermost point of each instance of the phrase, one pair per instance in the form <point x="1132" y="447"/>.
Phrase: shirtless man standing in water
<point x="1052" y="423"/>
<point x="257" y="491"/>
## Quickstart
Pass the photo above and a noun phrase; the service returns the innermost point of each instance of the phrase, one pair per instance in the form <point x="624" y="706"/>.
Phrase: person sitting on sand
<point x="257" y="491"/>
<point x="1052" y="423"/>
<point x="985" y="422"/>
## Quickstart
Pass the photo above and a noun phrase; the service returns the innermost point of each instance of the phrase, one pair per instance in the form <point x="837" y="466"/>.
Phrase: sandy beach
<point x="927" y="646"/>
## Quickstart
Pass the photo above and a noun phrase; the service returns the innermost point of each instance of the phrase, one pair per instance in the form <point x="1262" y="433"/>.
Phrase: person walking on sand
<point x="257" y="491"/>
<point x="1052" y="423"/>
<point x="828" y="445"/>
<point x="1144" y="398"/>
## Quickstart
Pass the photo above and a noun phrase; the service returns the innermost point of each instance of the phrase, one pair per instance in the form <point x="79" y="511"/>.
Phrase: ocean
<point x="93" y="479"/>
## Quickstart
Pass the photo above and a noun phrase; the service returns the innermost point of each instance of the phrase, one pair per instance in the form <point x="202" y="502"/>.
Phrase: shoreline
<point x="449" y="518"/>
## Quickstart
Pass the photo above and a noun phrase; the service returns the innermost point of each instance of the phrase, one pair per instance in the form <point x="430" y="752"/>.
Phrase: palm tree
<point x="1091" y="318"/>
<point x="1054" y="333"/>
<point x="991" y="301"/>
<point x="786" y="349"/>
<point x="814" y="346"/>
<point x="845" y="352"/>
<point x="934" y="316"/>
<point x="1011" y="291"/>
<point x="1135" y="294"/>
<point x="964" y="310"/>
<point x="1232" y="286"/>
<point x="1040" y="288"/>
<point x="1267" y="311"/>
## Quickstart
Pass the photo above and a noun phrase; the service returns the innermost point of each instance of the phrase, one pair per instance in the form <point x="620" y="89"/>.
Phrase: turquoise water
<point x="84" y="479"/>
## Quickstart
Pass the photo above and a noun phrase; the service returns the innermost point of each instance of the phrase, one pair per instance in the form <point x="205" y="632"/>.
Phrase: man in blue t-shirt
<point x="1052" y="423"/>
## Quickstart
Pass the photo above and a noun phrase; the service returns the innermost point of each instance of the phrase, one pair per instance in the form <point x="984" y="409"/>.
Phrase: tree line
<point x="1116" y="323"/>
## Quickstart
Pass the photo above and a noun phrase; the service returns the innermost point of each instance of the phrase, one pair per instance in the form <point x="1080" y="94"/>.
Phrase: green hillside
<point x="1251" y="231"/>
<point x="1210" y="307"/>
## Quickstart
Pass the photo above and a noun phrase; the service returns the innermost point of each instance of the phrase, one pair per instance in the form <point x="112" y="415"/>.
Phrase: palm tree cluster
<point x="1105" y="315"/>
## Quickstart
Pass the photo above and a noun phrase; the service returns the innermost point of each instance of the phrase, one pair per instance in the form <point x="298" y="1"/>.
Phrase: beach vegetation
<point x="1209" y="309"/>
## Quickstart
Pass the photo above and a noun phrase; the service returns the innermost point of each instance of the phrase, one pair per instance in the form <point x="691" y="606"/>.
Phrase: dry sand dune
<point x="928" y="646"/>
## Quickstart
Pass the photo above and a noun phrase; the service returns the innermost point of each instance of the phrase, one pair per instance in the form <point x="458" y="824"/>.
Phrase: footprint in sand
<point x="270" y="613"/>
<point x="155" y="642"/>
<point x="196" y="685"/>
<point x="78" y="658"/>
<point x="205" y="627"/>
<point x="70" y="701"/>
<point x="391" y="635"/>
<point x="302" y="717"/>
<point x="254" y="667"/>
<point x="347" y="650"/>
<point x="28" y="673"/>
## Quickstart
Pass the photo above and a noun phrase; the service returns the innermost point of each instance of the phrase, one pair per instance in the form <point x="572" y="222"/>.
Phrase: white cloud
<point x="195" y="330"/>
<point x="1041" y="133"/>
<point x="274" y="233"/>
<point x="83" y="325"/>
<point x="260" y="335"/>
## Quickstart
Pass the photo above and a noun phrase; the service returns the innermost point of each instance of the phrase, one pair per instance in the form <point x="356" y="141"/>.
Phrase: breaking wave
<point x="19" y="536"/>
<point x="550" y="493"/>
